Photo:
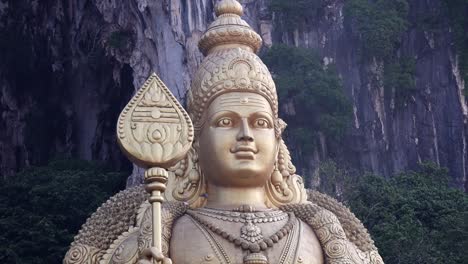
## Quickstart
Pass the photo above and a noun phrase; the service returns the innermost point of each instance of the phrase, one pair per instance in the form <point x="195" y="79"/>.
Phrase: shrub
<point x="380" y="24"/>
<point x="294" y="13"/>
<point x="399" y="78"/>
<point x="413" y="217"/>
<point x="315" y="91"/>
<point x="42" y="208"/>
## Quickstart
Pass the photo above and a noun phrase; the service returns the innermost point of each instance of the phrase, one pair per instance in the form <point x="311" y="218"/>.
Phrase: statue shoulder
<point x="341" y="234"/>
<point x="121" y="228"/>
<point x="110" y="220"/>
<point x="353" y="227"/>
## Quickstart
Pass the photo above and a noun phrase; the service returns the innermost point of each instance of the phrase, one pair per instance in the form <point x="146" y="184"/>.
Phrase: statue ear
<point x="284" y="186"/>
<point x="186" y="181"/>
<point x="280" y="126"/>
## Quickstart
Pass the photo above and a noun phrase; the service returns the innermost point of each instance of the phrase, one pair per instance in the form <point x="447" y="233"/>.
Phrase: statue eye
<point x="262" y="123"/>
<point x="224" y="122"/>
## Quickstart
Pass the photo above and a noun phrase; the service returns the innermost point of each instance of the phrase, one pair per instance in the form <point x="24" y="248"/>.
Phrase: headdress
<point x="231" y="64"/>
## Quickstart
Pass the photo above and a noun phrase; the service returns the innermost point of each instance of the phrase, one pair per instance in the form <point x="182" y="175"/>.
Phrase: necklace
<point x="249" y="231"/>
<point x="251" y="238"/>
<point x="238" y="217"/>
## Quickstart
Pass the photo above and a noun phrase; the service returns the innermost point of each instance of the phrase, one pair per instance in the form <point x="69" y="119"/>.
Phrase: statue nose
<point x="245" y="134"/>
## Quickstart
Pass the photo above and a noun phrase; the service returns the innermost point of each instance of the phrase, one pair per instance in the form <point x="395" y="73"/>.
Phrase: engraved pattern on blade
<point x="154" y="129"/>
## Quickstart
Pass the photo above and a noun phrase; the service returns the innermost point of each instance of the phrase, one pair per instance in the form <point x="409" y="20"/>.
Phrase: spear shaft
<point x="155" y="179"/>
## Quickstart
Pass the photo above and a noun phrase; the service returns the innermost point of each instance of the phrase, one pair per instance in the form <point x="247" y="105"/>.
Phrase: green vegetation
<point x="314" y="91"/>
<point x="42" y="208"/>
<point x="333" y="178"/>
<point x="380" y="24"/>
<point x="294" y="13"/>
<point x="399" y="78"/>
<point x="413" y="217"/>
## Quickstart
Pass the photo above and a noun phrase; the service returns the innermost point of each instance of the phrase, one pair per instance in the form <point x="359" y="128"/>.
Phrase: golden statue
<point x="232" y="195"/>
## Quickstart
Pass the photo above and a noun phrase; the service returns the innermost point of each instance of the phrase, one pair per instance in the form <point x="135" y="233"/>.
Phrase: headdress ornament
<point x="231" y="63"/>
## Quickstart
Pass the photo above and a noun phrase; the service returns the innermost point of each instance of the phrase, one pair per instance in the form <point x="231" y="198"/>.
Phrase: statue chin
<point x="239" y="176"/>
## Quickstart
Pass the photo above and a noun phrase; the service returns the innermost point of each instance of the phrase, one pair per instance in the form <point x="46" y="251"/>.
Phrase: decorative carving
<point x="111" y="219"/>
<point x="82" y="254"/>
<point x="332" y="234"/>
<point x="124" y="250"/>
<point x="285" y="186"/>
<point x="250" y="231"/>
<point x="246" y="242"/>
<point x="229" y="28"/>
<point x="229" y="70"/>
<point x="325" y="225"/>
<point x="170" y="212"/>
<point x="354" y="229"/>
<point x="155" y="132"/>
<point x="186" y="182"/>
<point x="154" y="129"/>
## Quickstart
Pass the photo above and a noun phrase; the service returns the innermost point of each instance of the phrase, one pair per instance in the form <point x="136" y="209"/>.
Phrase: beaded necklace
<point x="251" y="237"/>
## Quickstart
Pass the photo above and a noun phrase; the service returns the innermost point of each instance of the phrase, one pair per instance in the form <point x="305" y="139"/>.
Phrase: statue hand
<point x="150" y="254"/>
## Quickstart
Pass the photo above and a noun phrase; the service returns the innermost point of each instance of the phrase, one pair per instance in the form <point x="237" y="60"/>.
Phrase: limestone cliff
<point x="69" y="66"/>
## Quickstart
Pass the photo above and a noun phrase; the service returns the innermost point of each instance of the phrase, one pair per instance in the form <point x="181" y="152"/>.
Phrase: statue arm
<point x="359" y="241"/>
<point x="353" y="227"/>
<point x="111" y="219"/>
<point x="342" y="236"/>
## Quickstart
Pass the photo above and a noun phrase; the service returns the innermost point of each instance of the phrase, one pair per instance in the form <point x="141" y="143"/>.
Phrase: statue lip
<point x="244" y="148"/>
<point x="245" y="155"/>
<point x="244" y="152"/>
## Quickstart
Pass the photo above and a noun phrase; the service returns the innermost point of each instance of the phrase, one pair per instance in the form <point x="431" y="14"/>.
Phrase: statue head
<point x="233" y="105"/>
<point x="237" y="142"/>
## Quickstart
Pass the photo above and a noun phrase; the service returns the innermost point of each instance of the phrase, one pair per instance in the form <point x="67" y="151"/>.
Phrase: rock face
<point x="72" y="65"/>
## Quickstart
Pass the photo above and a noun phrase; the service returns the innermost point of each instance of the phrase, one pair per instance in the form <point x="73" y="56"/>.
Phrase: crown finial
<point x="229" y="7"/>
<point x="229" y="30"/>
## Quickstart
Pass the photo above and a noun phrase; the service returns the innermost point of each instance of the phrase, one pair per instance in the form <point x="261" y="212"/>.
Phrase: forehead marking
<point x="231" y="98"/>
<point x="244" y="104"/>
<point x="242" y="100"/>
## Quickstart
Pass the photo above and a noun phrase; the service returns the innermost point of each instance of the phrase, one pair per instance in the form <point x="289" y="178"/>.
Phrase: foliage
<point x="315" y="92"/>
<point x="414" y="217"/>
<point x="333" y="179"/>
<point x="293" y="13"/>
<point x="379" y="23"/>
<point x="399" y="77"/>
<point x="42" y="208"/>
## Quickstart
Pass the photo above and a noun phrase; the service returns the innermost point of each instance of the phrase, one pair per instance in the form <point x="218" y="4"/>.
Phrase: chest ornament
<point x="251" y="238"/>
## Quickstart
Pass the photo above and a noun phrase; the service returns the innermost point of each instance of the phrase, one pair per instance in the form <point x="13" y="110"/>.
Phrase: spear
<point x="155" y="132"/>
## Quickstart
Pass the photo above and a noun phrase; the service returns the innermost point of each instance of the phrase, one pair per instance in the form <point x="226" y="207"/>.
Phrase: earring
<point x="277" y="178"/>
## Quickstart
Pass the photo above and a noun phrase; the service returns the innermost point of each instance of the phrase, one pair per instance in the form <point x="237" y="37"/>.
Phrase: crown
<point x="231" y="63"/>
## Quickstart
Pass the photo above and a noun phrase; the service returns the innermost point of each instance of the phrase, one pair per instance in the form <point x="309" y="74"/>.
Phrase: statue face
<point x="238" y="146"/>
